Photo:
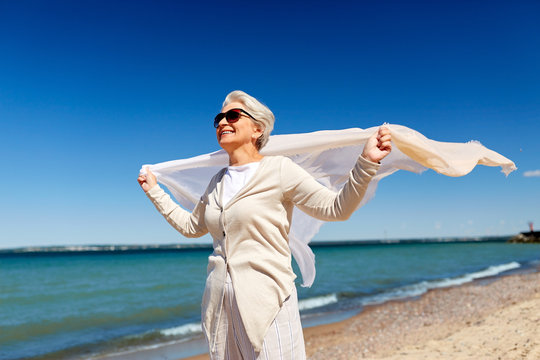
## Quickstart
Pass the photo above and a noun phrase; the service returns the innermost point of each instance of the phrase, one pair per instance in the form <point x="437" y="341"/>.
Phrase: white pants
<point x="283" y="341"/>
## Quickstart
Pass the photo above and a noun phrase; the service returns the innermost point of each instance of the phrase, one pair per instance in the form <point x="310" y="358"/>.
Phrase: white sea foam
<point x="128" y="353"/>
<point x="316" y="302"/>
<point x="422" y="287"/>
<point x="187" y="329"/>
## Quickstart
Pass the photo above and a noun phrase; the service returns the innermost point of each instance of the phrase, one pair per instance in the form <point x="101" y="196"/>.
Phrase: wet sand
<point x="489" y="319"/>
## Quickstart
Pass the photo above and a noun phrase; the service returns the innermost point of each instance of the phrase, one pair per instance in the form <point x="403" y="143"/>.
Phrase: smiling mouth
<point x="226" y="132"/>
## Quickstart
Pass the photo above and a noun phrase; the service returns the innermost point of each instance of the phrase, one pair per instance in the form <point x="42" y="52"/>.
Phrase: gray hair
<point x="264" y="118"/>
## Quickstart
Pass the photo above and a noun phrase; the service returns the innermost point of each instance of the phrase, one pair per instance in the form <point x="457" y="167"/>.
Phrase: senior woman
<point x="250" y="305"/>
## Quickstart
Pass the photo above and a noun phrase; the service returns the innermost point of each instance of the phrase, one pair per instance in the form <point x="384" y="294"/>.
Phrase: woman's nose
<point x="223" y="121"/>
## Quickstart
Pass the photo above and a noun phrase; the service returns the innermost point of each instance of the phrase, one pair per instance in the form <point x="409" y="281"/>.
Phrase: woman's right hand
<point x="147" y="181"/>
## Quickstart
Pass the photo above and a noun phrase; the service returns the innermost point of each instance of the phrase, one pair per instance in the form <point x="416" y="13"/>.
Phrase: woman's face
<point x="240" y="133"/>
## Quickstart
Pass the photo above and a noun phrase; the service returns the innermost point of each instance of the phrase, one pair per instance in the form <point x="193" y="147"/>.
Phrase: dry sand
<point x="489" y="319"/>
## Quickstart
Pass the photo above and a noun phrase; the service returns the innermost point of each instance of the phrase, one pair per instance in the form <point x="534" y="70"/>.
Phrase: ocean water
<point x="73" y="305"/>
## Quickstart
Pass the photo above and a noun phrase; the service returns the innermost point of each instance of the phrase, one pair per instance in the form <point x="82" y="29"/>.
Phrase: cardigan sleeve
<point x="188" y="224"/>
<point x="320" y="202"/>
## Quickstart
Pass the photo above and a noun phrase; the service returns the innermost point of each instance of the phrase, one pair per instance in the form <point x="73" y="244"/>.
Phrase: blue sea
<point x="90" y="304"/>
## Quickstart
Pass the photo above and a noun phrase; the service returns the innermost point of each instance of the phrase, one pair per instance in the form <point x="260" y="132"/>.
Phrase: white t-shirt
<point x="235" y="178"/>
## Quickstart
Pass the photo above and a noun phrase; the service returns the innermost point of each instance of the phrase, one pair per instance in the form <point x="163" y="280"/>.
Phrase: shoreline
<point x="468" y="321"/>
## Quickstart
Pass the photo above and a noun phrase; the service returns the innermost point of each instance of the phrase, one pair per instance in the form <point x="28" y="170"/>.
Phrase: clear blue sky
<point x="90" y="90"/>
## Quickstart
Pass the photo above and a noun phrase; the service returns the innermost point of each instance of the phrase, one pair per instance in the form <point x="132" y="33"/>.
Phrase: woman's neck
<point x="242" y="156"/>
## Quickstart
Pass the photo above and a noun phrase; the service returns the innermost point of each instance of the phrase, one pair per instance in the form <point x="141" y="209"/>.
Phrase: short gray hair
<point x="264" y="118"/>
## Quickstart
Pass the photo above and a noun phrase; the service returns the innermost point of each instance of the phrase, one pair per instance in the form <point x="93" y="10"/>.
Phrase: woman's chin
<point x="227" y="144"/>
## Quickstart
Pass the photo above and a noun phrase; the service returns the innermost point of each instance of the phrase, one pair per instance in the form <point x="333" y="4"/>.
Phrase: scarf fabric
<point x="329" y="156"/>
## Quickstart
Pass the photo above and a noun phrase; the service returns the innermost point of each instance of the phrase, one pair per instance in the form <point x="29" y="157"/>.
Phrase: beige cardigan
<point x="251" y="235"/>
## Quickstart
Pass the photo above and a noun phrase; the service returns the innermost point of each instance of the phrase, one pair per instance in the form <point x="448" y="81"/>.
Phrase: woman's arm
<point x="188" y="224"/>
<point x="324" y="204"/>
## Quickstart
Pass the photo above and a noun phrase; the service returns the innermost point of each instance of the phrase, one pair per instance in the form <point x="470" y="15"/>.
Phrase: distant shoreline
<point x="126" y="249"/>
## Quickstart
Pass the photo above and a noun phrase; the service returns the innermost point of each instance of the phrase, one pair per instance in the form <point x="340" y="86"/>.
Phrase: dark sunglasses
<point x="232" y="116"/>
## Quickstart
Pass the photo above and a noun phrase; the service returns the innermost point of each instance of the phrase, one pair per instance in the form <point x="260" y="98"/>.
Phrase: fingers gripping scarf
<point x="329" y="156"/>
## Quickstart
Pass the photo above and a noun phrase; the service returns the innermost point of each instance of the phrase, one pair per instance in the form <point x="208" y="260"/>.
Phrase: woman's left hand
<point x="378" y="145"/>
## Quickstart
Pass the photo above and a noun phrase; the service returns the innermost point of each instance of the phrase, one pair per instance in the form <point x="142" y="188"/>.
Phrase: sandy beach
<point x="490" y="319"/>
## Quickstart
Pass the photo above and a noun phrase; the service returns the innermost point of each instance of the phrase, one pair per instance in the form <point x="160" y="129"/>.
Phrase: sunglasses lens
<point x="217" y="119"/>
<point x="231" y="116"/>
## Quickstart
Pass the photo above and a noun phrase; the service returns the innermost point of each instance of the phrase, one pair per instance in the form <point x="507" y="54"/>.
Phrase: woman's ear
<point x="257" y="133"/>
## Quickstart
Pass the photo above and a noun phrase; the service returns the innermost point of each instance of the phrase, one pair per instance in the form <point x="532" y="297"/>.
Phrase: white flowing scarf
<point x="329" y="156"/>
